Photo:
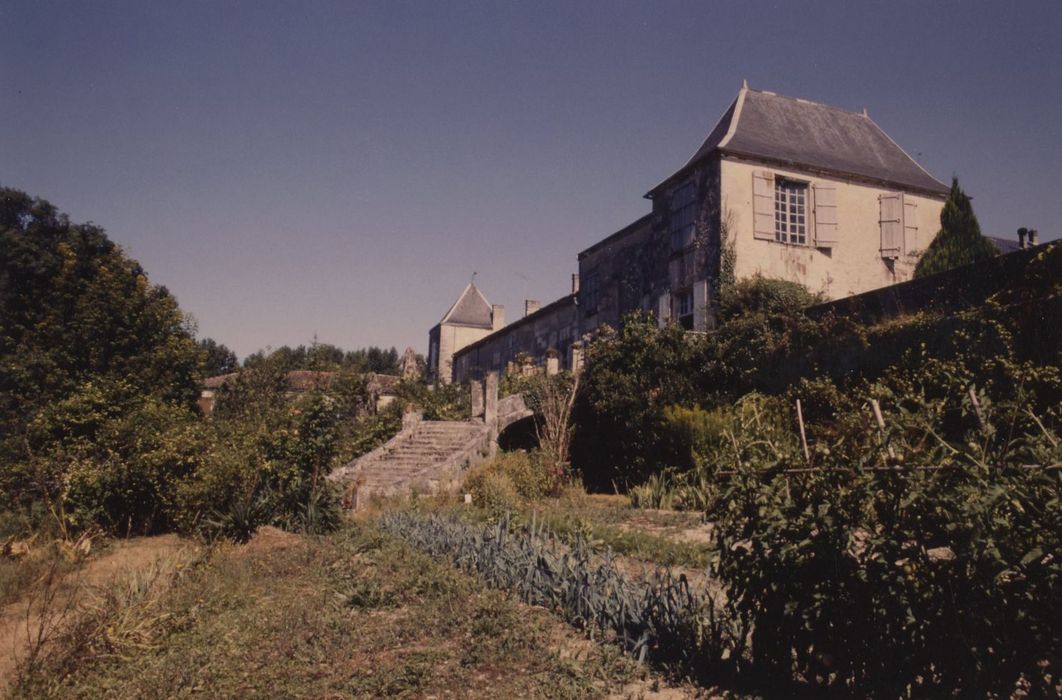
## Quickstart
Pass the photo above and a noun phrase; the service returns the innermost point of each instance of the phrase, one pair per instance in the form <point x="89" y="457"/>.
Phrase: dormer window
<point x="790" y="211"/>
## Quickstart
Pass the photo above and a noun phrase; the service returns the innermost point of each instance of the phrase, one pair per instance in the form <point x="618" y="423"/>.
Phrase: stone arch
<point x="518" y="435"/>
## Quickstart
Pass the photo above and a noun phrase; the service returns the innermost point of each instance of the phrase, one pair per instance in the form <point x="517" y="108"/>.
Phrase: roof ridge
<point x="804" y="100"/>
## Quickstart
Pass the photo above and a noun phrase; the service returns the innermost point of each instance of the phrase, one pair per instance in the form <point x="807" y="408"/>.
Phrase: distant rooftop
<point x="470" y="309"/>
<point x="793" y="131"/>
<point x="1004" y="245"/>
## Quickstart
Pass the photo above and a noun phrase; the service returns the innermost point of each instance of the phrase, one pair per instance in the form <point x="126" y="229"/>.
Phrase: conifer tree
<point x="959" y="241"/>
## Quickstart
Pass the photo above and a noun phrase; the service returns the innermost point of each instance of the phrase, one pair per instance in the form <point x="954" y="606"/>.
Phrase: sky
<point x="338" y="171"/>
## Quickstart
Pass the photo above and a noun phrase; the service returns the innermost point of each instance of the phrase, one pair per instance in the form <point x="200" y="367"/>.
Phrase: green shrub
<point x="527" y="472"/>
<point x="920" y="581"/>
<point x="759" y="294"/>
<point x="492" y="489"/>
<point x="656" y="491"/>
<point x="621" y="436"/>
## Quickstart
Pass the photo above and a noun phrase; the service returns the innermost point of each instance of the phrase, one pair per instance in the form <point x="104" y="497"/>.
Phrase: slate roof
<point x="797" y="132"/>
<point x="1004" y="245"/>
<point x="470" y="309"/>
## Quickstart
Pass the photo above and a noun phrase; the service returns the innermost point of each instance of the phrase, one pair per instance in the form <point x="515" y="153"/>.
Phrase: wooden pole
<point x="803" y="437"/>
<point x="977" y="407"/>
<point x="881" y="425"/>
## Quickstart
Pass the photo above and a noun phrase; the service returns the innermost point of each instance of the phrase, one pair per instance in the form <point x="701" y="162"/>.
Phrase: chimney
<point x="575" y="283"/>
<point x="530" y="306"/>
<point x="1021" y="237"/>
<point x="1034" y="237"/>
<point x="497" y="317"/>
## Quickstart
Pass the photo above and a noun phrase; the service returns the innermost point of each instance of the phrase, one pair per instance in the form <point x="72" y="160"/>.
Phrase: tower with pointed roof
<point x="470" y="318"/>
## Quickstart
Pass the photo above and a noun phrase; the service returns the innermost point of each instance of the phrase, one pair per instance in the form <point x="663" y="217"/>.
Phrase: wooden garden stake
<point x="977" y="407"/>
<point x="881" y="424"/>
<point x="803" y="437"/>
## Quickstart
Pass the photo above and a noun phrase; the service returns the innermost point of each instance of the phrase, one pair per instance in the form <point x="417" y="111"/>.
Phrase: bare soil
<point x="43" y="611"/>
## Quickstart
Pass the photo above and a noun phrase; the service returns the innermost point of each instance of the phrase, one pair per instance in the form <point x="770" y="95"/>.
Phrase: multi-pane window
<point x="790" y="211"/>
<point x="683" y="207"/>
<point x="684" y="308"/>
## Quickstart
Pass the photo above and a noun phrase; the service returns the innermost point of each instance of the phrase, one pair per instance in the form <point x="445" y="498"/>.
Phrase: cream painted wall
<point x="451" y="339"/>
<point x="854" y="265"/>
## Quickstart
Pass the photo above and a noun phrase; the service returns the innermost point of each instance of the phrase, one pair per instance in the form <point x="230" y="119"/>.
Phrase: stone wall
<point x="954" y="290"/>
<point x="618" y="275"/>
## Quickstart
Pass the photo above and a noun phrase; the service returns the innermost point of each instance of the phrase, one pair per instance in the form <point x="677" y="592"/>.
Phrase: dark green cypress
<point x="959" y="241"/>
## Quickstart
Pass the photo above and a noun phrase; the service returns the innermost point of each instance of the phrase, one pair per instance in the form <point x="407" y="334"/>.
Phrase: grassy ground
<point x="355" y="614"/>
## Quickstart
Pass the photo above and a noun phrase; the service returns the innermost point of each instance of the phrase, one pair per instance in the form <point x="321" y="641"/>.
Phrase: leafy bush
<point x="621" y="435"/>
<point x="89" y="350"/>
<point x="528" y="473"/>
<point x="865" y="574"/>
<point x="492" y="489"/>
<point x="762" y="295"/>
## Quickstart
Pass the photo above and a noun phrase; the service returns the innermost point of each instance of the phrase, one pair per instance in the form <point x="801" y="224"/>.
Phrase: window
<point x="684" y="308"/>
<point x="591" y="293"/>
<point x="683" y="207"/>
<point x="790" y="211"/>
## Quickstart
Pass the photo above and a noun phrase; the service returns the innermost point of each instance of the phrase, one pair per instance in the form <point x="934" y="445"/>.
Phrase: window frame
<point x="684" y="308"/>
<point x="591" y="293"/>
<point x="791" y="212"/>
<point x="682" y="215"/>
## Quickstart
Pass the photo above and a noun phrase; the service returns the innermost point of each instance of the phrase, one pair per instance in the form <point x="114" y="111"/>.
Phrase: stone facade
<point x="781" y="187"/>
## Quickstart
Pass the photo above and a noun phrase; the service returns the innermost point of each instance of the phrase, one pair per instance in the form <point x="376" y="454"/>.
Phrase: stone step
<point x="427" y="456"/>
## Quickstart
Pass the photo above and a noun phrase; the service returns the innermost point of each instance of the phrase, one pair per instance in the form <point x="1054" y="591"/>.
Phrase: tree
<point x="959" y="241"/>
<point x="631" y="375"/>
<point x="218" y="358"/>
<point x="88" y="346"/>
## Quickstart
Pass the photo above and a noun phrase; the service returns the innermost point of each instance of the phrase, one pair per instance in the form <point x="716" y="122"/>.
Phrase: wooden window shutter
<point x="910" y="224"/>
<point x="891" y="221"/>
<point x="664" y="309"/>
<point x="825" y="215"/>
<point x="763" y="206"/>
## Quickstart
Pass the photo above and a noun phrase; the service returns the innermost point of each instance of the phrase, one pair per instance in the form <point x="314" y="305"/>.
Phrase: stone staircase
<point x="431" y="456"/>
<point x="425" y="457"/>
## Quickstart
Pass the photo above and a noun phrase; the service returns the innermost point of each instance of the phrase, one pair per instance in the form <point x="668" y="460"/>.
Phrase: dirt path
<point x="41" y="613"/>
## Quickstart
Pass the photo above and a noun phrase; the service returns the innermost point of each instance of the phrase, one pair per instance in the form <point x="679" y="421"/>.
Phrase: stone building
<point x="470" y="318"/>
<point x="549" y="331"/>
<point x="781" y="187"/>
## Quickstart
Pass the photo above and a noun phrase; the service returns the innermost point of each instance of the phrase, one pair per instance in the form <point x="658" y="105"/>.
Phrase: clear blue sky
<point x="341" y="168"/>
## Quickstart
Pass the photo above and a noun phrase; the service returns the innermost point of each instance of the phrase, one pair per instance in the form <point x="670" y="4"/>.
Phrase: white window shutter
<point x="910" y="224"/>
<point x="664" y="309"/>
<point x="763" y="205"/>
<point x="700" y="305"/>
<point x="891" y="221"/>
<point x="825" y="215"/>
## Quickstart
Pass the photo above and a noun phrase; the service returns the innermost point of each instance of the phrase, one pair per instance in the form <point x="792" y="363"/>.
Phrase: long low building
<point x="552" y="330"/>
